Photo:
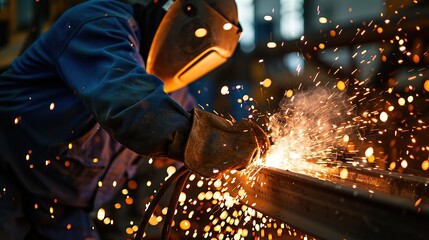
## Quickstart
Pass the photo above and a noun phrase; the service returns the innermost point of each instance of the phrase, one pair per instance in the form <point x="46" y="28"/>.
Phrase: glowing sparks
<point x="266" y="83"/>
<point x="383" y="116"/>
<point x="323" y="20"/>
<point x="129" y="200"/>
<point x="369" y="152"/>
<point x="271" y="45"/>
<point x="341" y="85"/>
<point x="182" y="197"/>
<point x="268" y="18"/>
<point x="185" y="224"/>
<point x="101" y="214"/>
<point x="404" y="163"/>
<point x="425" y="165"/>
<point x="224" y="90"/>
<point x="426" y="85"/>
<point x="392" y="165"/>
<point x="371" y="159"/>
<point x="344" y="173"/>
<point x="171" y="170"/>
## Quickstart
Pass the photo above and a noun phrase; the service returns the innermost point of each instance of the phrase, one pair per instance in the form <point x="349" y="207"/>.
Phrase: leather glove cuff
<point x="215" y="144"/>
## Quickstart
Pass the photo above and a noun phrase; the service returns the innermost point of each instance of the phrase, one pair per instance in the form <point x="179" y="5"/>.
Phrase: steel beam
<point x="363" y="206"/>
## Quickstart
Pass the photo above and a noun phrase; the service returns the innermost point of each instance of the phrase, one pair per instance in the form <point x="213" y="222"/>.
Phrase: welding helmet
<point x="193" y="38"/>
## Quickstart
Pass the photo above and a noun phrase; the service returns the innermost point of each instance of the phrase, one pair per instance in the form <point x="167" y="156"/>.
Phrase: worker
<point x="91" y="96"/>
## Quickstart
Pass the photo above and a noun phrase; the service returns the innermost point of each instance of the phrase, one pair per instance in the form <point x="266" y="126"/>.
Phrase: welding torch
<point x="214" y="145"/>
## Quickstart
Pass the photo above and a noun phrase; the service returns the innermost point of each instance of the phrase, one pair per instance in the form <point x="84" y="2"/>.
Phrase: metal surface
<point x="388" y="207"/>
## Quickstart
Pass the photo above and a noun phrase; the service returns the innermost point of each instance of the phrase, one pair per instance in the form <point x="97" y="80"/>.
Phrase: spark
<point x="268" y="18"/>
<point x="383" y="116"/>
<point x="425" y="165"/>
<point x="323" y="20"/>
<point x="271" y="45"/>
<point x="101" y="214"/>
<point x="404" y="163"/>
<point x="266" y="83"/>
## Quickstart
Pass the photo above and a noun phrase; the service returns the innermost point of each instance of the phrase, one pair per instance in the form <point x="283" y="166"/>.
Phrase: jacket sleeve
<point x="101" y="64"/>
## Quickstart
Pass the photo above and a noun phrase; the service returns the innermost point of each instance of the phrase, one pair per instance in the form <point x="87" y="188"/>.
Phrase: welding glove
<point x="215" y="144"/>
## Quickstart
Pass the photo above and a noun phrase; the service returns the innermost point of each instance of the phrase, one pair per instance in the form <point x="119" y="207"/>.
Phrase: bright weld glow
<point x="306" y="127"/>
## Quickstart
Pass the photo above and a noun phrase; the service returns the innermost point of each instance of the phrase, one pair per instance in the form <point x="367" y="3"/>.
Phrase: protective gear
<point x="215" y="144"/>
<point x="194" y="37"/>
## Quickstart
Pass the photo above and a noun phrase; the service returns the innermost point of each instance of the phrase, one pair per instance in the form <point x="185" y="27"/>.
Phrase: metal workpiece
<point x="332" y="210"/>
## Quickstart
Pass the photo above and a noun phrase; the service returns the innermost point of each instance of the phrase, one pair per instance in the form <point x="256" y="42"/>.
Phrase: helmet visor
<point x="192" y="39"/>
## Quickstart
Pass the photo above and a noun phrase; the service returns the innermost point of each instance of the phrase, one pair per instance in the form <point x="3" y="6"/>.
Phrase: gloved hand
<point x="215" y="144"/>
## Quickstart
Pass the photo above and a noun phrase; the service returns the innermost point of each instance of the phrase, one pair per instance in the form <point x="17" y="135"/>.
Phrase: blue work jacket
<point x="77" y="108"/>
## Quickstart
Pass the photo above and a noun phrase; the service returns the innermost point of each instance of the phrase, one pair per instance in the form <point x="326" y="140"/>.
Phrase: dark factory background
<point x="289" y="45"/>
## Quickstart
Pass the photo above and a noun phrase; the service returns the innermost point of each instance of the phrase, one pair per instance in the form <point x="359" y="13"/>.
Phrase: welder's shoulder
<point x="72" y="20"/>
<point x="95" y="9"/>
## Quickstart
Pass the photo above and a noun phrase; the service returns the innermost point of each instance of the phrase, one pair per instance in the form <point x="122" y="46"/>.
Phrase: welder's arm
<point x="215" y="144"/>
<point x="102" y="65"/>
